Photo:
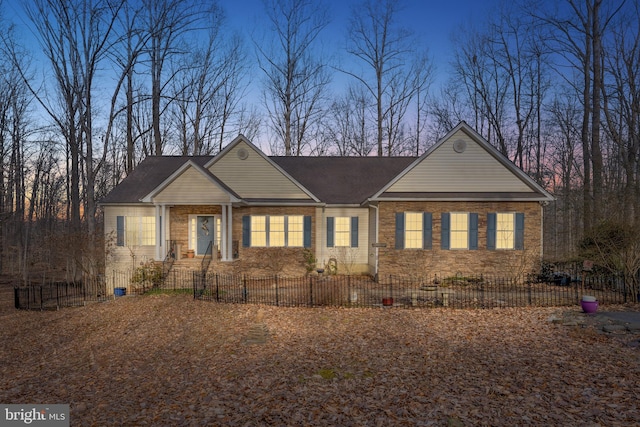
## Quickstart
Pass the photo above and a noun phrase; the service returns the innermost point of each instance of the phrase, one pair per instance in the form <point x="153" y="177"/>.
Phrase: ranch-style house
<point x="460" y="208"/>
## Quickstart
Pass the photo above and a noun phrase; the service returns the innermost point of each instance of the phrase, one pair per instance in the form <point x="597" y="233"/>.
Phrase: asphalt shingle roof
<point x="150" y="173"/>
<point x="334" y="180"/>
<point x="343" y="180"/>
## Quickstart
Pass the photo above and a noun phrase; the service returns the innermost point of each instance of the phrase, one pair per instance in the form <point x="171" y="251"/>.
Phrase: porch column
<point x="158" y="255"/>
<point x="164" y="231"/>
<point x="223" y="231"/>
<point x="230" y="233"/>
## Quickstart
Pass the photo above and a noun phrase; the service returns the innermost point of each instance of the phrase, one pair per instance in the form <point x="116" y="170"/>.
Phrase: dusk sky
<point x="432" y="21"/>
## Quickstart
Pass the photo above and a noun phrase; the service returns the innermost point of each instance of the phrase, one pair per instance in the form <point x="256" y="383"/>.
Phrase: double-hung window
<point x="505" y="230"/>
<point x="136" y="230"/>
<point x="413" y="230"/>
<point x="276" y="231"/>
<point x="459" y="230"/>
<point x="342" y="231"/>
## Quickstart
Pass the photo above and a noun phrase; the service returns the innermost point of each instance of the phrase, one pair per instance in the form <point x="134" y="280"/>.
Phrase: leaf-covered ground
<point x="170" y="360"/>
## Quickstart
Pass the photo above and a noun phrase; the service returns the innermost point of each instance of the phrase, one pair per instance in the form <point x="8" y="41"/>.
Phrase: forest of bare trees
<point x="106" y="83"/>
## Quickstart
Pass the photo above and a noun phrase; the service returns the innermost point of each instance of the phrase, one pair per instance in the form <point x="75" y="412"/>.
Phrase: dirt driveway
<point x="171" y="360"/>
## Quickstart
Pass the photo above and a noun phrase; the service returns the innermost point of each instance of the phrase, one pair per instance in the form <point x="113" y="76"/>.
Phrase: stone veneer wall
<point x="179" y="227"/>
<point x="466" y="262"/>
<point x="251" y="261"/>
<point x="268" y="261"/>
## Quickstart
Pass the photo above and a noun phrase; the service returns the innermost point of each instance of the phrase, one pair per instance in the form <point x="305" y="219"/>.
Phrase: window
<point x="505" y="230"/>
<point x="136" y="230"/>
<point x="258" y="231"/>
<point x="295" y="231"/>
<point x="459" y="231"/>
<point x="276" y="231"/>
<point x="342" y="231"/>
<point x="413" y="230"/>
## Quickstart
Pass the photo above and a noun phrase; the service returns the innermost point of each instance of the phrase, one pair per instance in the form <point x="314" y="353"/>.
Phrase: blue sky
<point x="432" y="21"/>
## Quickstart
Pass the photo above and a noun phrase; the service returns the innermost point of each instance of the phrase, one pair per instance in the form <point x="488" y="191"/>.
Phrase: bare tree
<point x="347" y="128"/>
<point x="384" y="48"/>
<point x="208" y="90"/>
<point x="621" y="107"/>
<point x="167" y="21"/>
<point x="296" y="75"/>
<point x="578" y="36"/>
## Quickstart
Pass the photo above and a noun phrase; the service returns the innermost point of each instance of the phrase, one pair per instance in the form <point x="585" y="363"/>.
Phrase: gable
<point x="253" y="176"/>
<point x="460" y="164"/>
<point x="192" y="187"/>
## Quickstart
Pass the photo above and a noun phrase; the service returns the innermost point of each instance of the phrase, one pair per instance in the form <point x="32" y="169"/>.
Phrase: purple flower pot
<point x="589" y="307"/>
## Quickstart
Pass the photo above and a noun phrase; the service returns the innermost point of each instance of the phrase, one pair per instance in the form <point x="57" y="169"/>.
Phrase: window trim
<point x="426" y="230"/>
<point x="353" y="232"/>
<point x="247" y="232"/>
<point x="123" y="238"/>
<point x="472" y="231"/>
<point x="518" y="234"/>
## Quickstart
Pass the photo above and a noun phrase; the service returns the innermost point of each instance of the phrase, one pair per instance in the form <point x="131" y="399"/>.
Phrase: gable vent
<point x="459" y="146"/>
<point x="243" y="153"/>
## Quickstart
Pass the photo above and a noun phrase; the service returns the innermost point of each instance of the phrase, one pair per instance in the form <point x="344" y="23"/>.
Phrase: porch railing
<point x="206" y="259"/>
<point x="169" y="258"/>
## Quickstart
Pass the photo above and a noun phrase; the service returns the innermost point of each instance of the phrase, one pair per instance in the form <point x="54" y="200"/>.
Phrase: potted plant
<point x="589" y="304"/>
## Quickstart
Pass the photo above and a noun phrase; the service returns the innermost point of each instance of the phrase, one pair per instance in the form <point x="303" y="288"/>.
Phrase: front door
<point x="205" y="232"/>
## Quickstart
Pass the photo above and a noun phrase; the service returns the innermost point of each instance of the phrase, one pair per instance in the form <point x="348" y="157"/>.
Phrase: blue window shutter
<point x="473" y="231"/>
<point x="330" y="234"/>
<point x="120" y="231"/>
<point x="445" y="220"/>
<point x="246" y="231"/>
<point x="354" y="231"/>
<point x="519" y="242"/>
<point x="427" y="220"/>
<point x="399" y="230"/>
<point x="491" y="231"/>
<point x="307" y="232"/>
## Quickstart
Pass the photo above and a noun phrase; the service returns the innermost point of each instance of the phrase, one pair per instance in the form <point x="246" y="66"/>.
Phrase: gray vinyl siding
<point x="360" y="254"/>
<point x="192" y="187"/>
<point x="474" y="170"/>
<point x="265" y="180"/>
<point x="120" y="257"/>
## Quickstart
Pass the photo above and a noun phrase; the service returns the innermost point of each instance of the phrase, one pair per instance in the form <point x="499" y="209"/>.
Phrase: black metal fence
<point x="55" y="295"/>
<point x="332" y="290"/>
<point x="434" y="291"/>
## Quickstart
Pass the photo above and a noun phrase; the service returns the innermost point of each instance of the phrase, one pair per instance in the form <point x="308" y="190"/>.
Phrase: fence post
<point x="217" y="287"/>
<point x="277" y="302"/>
<point x="529" y="290"/>
<point x="195" y="286"/>
<point x="311" y="291"/>
<point x="349" y="290"/>
<point x="244" y="288"/>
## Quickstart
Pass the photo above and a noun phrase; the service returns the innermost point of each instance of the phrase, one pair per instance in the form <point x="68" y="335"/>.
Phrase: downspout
<point x="375" y="268"/>
<point x="542" y="205"/>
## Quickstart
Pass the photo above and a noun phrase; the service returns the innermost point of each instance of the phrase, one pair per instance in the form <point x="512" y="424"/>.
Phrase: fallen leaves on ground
<point x="170" y="360"/>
